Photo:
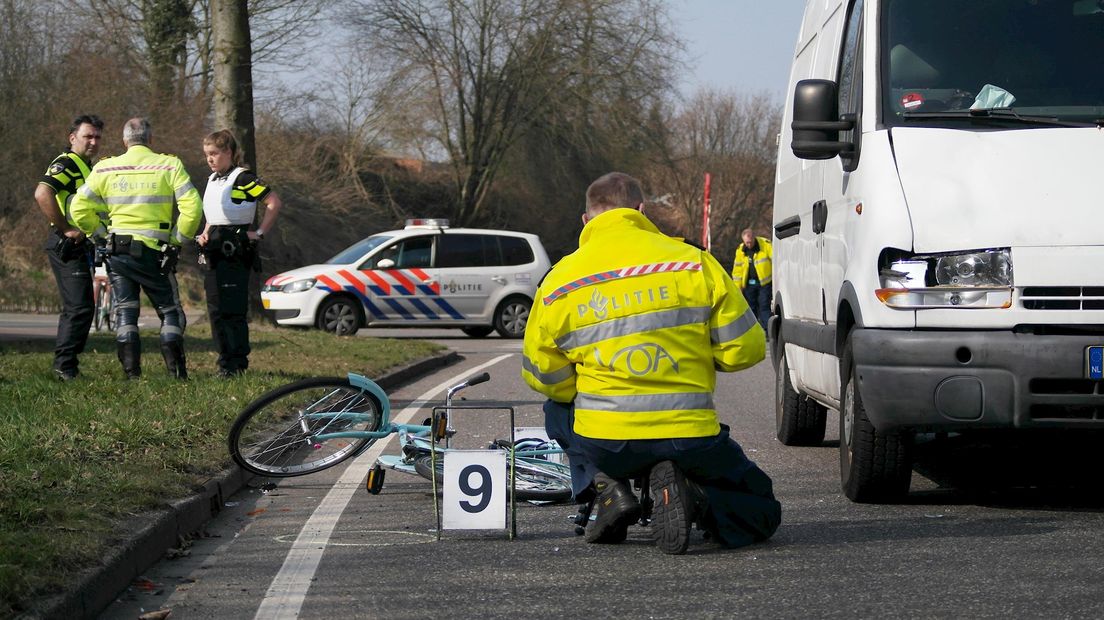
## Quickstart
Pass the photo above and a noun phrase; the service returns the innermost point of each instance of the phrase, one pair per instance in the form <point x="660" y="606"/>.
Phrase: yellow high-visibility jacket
<point x="137" y="191"/>
<point x="762" y="258"/>
<point x="633" y="327"/>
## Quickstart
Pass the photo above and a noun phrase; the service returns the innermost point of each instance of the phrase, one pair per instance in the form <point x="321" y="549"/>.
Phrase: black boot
<point x="173" y="352"/>
<point x="130" y="356"/>
<point x="617" y="510"/>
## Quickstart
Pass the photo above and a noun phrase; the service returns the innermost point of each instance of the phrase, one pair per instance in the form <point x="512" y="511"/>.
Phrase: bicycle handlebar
<point x="481" y="378"/>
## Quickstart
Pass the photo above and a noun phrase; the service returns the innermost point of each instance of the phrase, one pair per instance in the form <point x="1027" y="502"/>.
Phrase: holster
<point x="169" y="257"/>
<point x="68" y="249"/>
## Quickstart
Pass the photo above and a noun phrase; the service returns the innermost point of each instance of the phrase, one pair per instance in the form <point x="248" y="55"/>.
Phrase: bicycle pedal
<point x="374" y="483"/>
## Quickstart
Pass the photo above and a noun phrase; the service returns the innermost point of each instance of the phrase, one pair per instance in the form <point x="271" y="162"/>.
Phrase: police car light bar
<point x="424" y="222"/>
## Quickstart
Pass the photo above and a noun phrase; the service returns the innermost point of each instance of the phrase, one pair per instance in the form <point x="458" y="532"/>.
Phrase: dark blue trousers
<point x="741" y="496"/>
<point x="758" y="298"/>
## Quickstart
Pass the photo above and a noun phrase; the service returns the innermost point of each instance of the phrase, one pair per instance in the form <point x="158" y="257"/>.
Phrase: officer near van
<point x="627" y="334"/>
<point x="229" y="247"/>
<point x="138" y="190"/>
<point x="751" y="271"/>
<point x="67" y="248"/>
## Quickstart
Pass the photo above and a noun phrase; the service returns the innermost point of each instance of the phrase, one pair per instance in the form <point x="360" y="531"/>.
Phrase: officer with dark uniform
<point x="138" y="190"/>
<point x="229" y="247"/>
<point x="66" y="246"/>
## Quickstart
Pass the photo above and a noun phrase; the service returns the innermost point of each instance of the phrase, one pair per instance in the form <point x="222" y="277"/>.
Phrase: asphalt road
<point x="977" y="537"/>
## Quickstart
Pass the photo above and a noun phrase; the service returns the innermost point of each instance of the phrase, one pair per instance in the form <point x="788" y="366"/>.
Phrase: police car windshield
<point x="1035" y="59"/>
<point x="355" y="252"/>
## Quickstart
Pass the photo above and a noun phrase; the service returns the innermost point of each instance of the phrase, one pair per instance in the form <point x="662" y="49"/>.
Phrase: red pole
<point x="707" y="239"/>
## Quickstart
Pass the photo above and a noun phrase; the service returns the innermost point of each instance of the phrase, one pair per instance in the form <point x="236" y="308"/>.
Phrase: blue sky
<point x="744" y="45"/>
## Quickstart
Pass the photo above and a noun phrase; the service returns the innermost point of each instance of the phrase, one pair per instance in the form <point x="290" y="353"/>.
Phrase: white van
<point x="939" y="226"/>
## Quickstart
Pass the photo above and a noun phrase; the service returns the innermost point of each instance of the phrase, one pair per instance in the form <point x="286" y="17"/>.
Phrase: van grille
<point x="1059" y="400"/>
<point x="1062" y="297"/>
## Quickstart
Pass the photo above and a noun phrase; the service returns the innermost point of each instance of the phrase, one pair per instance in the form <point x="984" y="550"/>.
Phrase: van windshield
<point x="355" y="252"/>
<point x="1025" y="63"/>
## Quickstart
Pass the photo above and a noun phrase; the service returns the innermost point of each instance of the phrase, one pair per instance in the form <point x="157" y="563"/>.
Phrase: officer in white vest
<point x="229" y="246"/>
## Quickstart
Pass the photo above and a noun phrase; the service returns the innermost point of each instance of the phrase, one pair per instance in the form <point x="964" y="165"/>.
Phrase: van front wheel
<point x="799" y="420"/>
<point x="875" y="466"/>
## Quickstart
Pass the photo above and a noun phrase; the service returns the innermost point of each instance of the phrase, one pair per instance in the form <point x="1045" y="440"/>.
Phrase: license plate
<point x="1094" y="362"/>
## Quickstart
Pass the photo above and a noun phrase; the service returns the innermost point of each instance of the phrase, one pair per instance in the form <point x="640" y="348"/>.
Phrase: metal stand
<point x="441" y="430"/>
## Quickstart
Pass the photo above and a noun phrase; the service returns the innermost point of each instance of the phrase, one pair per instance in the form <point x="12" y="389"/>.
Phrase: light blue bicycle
<point x="314" y="424"/>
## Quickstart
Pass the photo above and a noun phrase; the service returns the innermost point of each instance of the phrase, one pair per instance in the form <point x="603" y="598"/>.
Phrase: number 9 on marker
<point x="475" y="491"/>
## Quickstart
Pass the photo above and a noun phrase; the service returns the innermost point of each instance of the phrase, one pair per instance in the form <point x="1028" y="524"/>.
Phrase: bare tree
<point x="731" y="137"/>
<point x="234" y="74"/>
<point x="492" y="68"/>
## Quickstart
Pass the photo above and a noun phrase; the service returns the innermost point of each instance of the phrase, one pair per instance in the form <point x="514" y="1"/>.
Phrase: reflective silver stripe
<point x="160" y="235"/>
<point x="184" y="189"/>
<point x="100" y="232"/>
<point x="103" y="215"/>
<point x="86" y="191"/>
<point x="548" y="378"/>
<point x="645" y="402"/>
<point x="123" y="305"/>
<point x="179" y="236"/>
<point x="151" y="199"/>
<point x="171" y="329"/>
<point x="632" y="325"/>
<point x="123" y="330"/>
<point x="735" y="329"/>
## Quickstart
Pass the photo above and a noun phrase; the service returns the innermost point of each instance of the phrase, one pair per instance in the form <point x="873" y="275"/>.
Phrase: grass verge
<point x="76" y="458"/>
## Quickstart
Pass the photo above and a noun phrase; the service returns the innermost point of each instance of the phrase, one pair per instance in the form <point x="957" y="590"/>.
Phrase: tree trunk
<point x="233" y="68"/>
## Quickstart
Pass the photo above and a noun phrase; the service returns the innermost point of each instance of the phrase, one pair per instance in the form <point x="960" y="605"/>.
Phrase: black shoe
<point x="67" y="374"/>
<point x="617" y="510"/>
<point x="673" y="509"/>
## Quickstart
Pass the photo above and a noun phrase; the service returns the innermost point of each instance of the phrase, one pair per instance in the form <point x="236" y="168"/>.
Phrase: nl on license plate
<point x="1094" y="362"/>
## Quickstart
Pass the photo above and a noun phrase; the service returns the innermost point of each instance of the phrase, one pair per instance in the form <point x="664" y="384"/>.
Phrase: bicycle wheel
<point x="98" y="317"/>
<point x="277" y="434"/>
<point x="536" y="480"/>
<point x="109" y="309"/>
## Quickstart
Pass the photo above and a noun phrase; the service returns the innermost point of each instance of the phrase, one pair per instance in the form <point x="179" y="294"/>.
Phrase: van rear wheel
<point x="875" y="466"/>
<point x="799" y="420"/>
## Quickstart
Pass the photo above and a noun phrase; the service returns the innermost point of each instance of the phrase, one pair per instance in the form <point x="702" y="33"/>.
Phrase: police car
<point x="426" y="274"/>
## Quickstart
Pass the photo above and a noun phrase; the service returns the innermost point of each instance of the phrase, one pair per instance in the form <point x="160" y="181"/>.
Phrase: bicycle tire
<point x="98" y="316"/>
<point x="535" y="482"/>
<point x="109" y="315"/>
<point x="268" y="437"/>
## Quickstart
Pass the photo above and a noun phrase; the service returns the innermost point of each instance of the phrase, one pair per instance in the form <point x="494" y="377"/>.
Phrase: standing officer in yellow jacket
<point x="138" y="190"/>
<point x="631" y="328"/>
<point x="751" y="271"/>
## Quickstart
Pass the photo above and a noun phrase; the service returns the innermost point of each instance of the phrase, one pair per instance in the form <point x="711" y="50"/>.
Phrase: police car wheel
<point x="511" y="316"/>
<point x="479" y="331"/>
<point x="339" y="315"/>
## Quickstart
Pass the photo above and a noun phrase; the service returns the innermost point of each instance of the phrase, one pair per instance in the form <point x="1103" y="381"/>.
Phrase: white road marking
<point x="400" y="538"/>
<point x="288" y="589"/>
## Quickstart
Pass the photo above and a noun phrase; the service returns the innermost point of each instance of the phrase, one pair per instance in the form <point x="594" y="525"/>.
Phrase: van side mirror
<point x="385" y="263"/>
<point x="816" y="121"/>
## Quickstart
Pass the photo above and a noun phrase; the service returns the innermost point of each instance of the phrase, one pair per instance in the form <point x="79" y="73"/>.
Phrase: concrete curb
<point x="152" y="534"/>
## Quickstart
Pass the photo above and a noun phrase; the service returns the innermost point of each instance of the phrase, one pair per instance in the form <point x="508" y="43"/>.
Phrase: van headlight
<point x="975" y="279"/>
<point x="297" y="286"/>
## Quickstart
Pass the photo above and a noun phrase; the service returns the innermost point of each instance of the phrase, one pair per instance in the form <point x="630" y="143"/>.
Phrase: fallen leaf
<point x="253" y="513"/>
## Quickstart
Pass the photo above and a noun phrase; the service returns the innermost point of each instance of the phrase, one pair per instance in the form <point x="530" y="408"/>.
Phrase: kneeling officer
<point x="138" y="190"/>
